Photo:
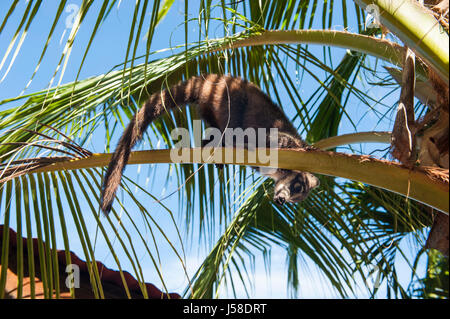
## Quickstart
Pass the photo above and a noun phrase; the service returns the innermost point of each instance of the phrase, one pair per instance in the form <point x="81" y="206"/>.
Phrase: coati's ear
<point x="313" y="181"/>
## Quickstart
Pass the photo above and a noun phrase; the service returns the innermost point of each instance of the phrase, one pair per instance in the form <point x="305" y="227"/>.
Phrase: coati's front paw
<point x="310" y="148"/>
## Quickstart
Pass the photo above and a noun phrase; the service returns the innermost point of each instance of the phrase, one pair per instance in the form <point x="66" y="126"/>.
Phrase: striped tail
<point x="178" y="95"/>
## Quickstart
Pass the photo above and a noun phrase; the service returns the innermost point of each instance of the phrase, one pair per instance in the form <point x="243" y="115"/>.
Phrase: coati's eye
<point x="297" y="187"/>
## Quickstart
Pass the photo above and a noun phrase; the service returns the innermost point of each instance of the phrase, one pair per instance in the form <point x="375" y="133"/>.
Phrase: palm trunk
<point x="417" y="29"/>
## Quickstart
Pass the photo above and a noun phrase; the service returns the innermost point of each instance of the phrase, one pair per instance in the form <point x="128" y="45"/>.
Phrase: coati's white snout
<point x="313" y="181"/>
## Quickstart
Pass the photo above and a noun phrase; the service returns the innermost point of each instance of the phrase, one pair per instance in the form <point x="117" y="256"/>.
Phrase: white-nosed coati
<point x="224" y="102"/>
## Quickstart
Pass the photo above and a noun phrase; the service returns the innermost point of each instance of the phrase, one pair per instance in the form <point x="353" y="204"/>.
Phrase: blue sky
<point x="109" y="50"/>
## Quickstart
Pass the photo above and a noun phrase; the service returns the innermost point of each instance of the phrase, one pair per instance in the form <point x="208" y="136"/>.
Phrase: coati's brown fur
<point x="223" y="102"/>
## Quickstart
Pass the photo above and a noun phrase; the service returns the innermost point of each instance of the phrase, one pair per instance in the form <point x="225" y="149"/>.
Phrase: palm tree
<point x="365" y="207"/>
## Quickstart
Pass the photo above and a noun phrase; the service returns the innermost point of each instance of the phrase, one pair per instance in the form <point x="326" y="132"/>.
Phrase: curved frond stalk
<point x="354" y="138"/>
<point x="428" y="186"/>
<point x="383" y="49"/>
<point x="417" y="29"/>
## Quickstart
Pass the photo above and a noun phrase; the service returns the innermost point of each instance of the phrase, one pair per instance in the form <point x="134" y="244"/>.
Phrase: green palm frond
<point x="435" y="284"/>
<point x="341" y="231"/>
<point x="66" y="204"/>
